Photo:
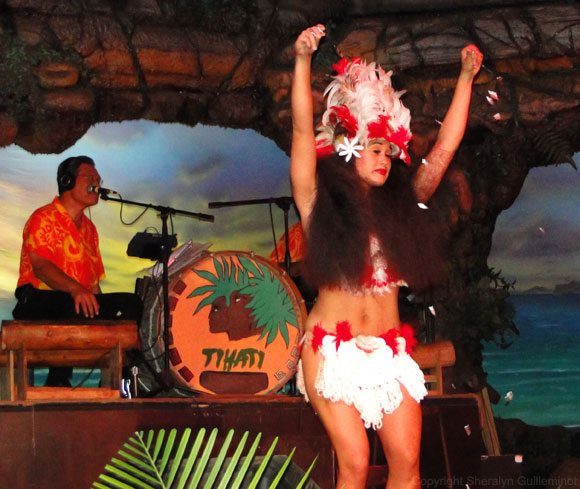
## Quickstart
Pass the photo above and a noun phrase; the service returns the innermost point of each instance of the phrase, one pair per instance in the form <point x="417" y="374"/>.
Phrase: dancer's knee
<point x="353" y="467"/>
<point x="407" y="456"/>
<point x="404" y="468"/>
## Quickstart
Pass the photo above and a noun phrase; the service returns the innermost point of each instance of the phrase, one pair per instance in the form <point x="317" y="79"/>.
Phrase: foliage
<point x="473" y="314"/>
<point x="18" y="65"/>
<point x="218" y="15"/>
<point x="481" y="312"/>
<point x="271" y="305"/>
<point x="152" y="460"/>
<point x="213" y="5"/>
<point x="227" y="280"/>
<point x="16" y="76"/>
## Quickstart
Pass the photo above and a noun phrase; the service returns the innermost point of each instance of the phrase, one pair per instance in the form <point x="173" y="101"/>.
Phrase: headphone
<point x="66" y="176"/>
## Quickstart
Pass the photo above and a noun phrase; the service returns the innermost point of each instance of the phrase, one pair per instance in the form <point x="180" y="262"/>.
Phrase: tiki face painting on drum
<point x="233" y="316"/>
<point x="245" y="300"/>
<point x="235" y="323"/>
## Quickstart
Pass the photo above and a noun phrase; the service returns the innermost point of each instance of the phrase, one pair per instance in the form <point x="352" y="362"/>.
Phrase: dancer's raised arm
<point x="303" y="153"/>
<point x="452" y="129"/>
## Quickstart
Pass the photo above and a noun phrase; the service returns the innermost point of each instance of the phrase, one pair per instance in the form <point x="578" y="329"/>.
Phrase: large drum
<point x="236" y="320"/>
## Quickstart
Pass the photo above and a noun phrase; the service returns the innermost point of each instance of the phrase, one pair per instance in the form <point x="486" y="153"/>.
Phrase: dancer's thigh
<point x="400" y="434"/>
<point x="342" y="422"/>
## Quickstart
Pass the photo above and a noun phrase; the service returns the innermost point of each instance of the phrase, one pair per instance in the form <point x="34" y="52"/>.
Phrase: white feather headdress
<point x="362" y="101"/>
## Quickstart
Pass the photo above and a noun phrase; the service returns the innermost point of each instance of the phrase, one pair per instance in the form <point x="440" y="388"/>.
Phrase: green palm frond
<point x="153" y="460"/>
<point x="227" y="279"/>
<point x="271" y="305"/>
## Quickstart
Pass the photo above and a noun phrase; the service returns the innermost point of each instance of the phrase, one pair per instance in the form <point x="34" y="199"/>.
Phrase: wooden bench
<point x="94" y="343"/>
<point x="431" y="359"/>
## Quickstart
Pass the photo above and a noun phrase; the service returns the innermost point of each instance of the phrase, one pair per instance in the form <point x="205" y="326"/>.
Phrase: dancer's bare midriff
<point x="370" y="315"/>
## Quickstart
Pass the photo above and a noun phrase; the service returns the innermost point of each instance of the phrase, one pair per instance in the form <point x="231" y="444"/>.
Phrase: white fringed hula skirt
<point x="365" y="371"/>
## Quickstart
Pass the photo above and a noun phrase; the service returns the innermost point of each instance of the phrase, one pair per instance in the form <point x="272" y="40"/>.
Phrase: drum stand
<point x="164" y="377"/>
<point x="283" y="203"/>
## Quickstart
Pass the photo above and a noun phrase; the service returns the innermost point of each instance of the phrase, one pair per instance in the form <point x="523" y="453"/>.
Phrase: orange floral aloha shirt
<point x="51" y="234"/>
<point x="296" y="245"/>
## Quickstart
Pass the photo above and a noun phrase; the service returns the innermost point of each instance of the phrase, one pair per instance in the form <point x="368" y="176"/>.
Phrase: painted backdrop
<point x="536" y="241"/>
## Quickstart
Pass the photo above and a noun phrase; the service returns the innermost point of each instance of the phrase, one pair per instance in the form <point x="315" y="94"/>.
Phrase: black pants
<point x="54" y="305"/>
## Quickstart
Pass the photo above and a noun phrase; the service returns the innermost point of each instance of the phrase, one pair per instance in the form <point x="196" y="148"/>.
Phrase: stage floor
<point x="46" y="445"/>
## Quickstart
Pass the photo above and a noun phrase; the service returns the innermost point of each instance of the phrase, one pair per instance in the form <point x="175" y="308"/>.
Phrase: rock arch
<point x="67" y="65"/>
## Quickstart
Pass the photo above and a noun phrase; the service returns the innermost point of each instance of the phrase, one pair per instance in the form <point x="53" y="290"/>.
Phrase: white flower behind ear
<point x="349" y="148"/>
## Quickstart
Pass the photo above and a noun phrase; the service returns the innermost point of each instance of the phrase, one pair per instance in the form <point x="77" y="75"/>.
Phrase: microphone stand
<point x="164" y="213"/>
<point x="283" y="203"/>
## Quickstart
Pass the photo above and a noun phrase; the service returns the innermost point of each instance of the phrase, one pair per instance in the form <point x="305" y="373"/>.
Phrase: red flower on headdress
<point x="401" y="137"/>
<point x="405" y="156"/>
<point x="340" y="66"/>
<point x="380" y="128"/>
<point x="343" y="63"/>
<point x="323" y="150"/>
<point x="347" y="120"/>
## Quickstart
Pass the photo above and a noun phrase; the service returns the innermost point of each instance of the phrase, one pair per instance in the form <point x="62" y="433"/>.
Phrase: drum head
<point x="235" y="324"/>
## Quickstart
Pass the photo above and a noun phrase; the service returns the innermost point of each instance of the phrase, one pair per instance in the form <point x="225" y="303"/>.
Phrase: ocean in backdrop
<point x="6" y="306"/>
<point x="542" y="367"/>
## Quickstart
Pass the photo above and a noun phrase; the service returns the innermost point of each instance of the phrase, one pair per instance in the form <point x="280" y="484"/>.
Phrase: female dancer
<point x="360" y="220"/>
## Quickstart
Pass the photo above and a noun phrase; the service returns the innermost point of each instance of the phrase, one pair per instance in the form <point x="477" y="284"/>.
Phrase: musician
<point x="60" y="262"/>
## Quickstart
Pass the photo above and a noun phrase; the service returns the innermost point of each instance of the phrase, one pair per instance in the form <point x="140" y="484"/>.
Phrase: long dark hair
<point x="344" y="216"/>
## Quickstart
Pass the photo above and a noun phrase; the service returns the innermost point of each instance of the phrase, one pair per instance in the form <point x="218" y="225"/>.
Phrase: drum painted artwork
<point x="235" y="324"/>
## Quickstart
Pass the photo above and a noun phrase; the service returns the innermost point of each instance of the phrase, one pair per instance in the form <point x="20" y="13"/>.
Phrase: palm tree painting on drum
<point x="246" y="299"/>
<point x="236" y="321"/>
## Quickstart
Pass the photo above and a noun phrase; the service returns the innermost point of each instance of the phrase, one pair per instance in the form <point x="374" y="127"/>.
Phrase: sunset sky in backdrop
<point x="536" y="241"/>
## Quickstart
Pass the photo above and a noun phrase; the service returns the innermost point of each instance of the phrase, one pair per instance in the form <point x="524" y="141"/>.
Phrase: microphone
<point x="102" y="191"/>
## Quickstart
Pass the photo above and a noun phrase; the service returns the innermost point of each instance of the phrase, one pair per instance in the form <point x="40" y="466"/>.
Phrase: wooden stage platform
<point x="46" y="445"/>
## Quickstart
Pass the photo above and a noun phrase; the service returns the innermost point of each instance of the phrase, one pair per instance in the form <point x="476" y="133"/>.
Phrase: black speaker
<point x="149" y="245"/>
